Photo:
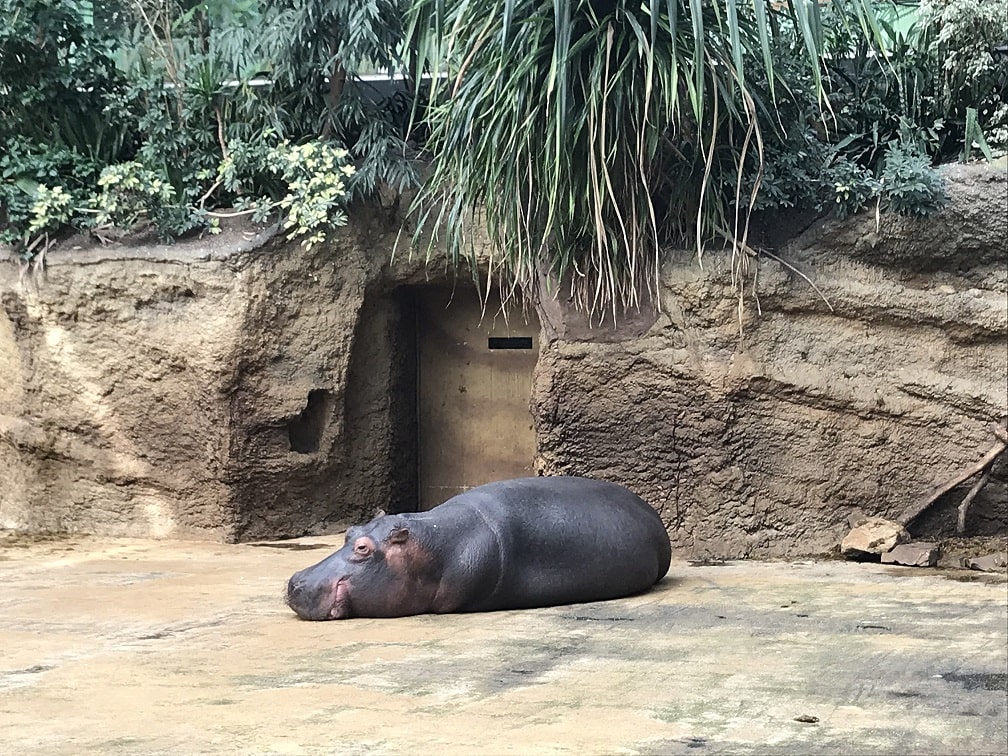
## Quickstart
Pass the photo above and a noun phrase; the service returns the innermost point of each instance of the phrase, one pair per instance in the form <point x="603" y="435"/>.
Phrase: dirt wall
<point x="241" y="388"/>
<point x="110" y="383"/>
<point x="201" y="390"/>
<point x="758" y="425"/>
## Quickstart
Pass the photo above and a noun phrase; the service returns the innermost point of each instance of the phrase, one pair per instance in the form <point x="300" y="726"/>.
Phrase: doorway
<point x="474" y="381"/>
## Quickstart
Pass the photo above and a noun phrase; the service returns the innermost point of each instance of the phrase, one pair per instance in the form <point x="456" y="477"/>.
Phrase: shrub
<point x="962" y="38"/>
<point x="133" y="114"/>
<point x="911" y="185"/>
<point x="316" y="175"/>
<point x="853" y="186"/>
<point x="130" y="193"/>
<point x="57" y="76"/>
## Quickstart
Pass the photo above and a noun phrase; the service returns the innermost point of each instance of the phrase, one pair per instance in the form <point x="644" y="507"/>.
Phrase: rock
<point x="856" y="517"/>
<point x="873" y="537"/>
<point x="990" y="563"/>
<point x="921" y="554"/>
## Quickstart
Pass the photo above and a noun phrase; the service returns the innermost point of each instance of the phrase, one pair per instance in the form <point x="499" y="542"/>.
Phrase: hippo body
<point x="507" y="545"/>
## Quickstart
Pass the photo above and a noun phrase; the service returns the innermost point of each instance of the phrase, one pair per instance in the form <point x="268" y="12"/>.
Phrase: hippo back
<point x="566" y="540"/>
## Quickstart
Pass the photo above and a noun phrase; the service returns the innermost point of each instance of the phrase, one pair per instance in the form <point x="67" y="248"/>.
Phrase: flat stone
<point x="989" y="563"/>
<point x="872" y="538"/>
<point x="920" y="554"/>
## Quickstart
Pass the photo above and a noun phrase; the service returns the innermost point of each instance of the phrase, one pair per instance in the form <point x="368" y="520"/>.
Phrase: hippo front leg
<point x="474" y="569"/>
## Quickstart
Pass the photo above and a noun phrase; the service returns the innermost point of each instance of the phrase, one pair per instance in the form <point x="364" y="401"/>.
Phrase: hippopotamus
<point x="512" y="544"/>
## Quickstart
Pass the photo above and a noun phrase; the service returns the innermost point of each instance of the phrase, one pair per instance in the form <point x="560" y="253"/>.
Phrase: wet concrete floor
<point x="146" y="647"/>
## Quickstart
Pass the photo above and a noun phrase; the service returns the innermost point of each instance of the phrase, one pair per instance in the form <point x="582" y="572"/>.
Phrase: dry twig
<point x="934" y="493"/>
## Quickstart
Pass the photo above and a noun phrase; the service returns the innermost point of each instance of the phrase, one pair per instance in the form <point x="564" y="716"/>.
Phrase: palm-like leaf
<point x="584" y="134"/>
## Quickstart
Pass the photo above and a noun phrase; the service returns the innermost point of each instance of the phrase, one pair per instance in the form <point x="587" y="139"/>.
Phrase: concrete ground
<point x="123" y="647"/>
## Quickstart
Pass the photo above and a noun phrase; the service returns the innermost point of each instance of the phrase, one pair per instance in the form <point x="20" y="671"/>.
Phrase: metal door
<point x="474" y="383"/>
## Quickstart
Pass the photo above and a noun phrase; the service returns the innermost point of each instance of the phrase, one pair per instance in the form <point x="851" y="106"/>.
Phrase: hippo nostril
<point x="294" y="589"/>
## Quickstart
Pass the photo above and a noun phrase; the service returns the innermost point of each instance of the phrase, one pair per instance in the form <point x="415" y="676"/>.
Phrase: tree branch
<point x="934" y="493"/>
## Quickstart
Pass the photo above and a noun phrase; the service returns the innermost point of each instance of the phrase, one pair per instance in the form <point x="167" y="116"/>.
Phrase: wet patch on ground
<point x="294" y="546"/>
<point x="978" y="680"/>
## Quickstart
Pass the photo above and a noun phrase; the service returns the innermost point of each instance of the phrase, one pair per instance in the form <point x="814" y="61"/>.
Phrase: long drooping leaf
<point x="585" y="134"/>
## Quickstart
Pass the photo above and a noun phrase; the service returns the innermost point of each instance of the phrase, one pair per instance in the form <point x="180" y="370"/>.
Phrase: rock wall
<point x="758" y="425"/>
<point x="111" y="375"/>
<point x="201" y="390"/>
<point x="239" y="389"/>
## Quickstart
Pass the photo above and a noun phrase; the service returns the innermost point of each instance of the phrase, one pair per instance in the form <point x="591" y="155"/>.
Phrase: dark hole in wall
<point x="305" y="431"/>
<point x="987" y="515"/>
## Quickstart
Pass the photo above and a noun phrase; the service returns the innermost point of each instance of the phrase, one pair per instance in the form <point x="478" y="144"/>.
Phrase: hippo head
<point x="383" y="570"/>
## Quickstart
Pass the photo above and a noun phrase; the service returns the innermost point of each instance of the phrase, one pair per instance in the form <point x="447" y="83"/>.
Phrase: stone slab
<point x="987" y="563"/>
<point x="921" y="554"/>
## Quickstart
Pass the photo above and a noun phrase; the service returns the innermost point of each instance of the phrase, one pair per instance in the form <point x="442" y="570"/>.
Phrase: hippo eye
<point x="362" y="548"/>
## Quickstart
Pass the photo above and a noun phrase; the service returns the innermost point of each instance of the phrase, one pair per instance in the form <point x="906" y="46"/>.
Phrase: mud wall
<point x="758" y="425"/>
<point x="238" y="389"/>
<point x="201" y="390"/>
<point x="112" y="372"/>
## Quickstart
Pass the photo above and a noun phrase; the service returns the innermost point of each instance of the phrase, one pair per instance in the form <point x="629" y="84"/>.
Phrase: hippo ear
<point x="398" y="535"/>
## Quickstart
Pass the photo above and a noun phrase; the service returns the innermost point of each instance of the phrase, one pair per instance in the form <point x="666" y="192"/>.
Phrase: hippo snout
<point x="294" y="596"/>
<point x="315" y="599"/>
<point x="304" y="599"/>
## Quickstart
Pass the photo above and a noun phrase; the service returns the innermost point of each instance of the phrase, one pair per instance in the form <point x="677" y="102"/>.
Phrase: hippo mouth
<point x="323" y="601"/>
<point x="339" y="600"/>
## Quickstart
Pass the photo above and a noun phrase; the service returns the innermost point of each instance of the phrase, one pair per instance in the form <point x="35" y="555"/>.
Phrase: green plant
<point x="241" y="72"/>
<point x="586" y="134"/>
<point x="181" y="83"/>
<point x="181" y="100"/>
<point x="963" y="36"/>
<point x="321" y="49"/>
<point x="51" y="208"/>
<point x="308" y="183"/>
<point x="24" y="167"/>
<point x="853" y="186"/>
<point x="840" y="160"/>
<point x="57" y="68"/>
<point x="57" y="76"/>
<point x="910" y="184"/>
<point x="316" y="174"/>
<point x="939" y="67"/>
<point x="130" y="193"/>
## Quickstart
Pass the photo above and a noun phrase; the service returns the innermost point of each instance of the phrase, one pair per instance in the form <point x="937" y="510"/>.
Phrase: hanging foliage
<point x="585" y="134"/>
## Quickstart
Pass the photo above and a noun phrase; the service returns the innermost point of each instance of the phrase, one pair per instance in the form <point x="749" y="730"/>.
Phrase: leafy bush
<point x="133" y="112"/>
<point x="320" y="50"/>
<point x="963" y="37"/>
<point x="52" y="207"/>
<point x="891" y="118"/>
<point x="910" y="185"/>
<point x="940" y="64"/>
<point x="853" y="186"/>
<point x="586" y="135"/>
<point x="24" y="167"/>
<point x="131" y="192"/>
<point x="313" y="180"/>
<point x="57" y="70"/>
<point x="57" y="75"/>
